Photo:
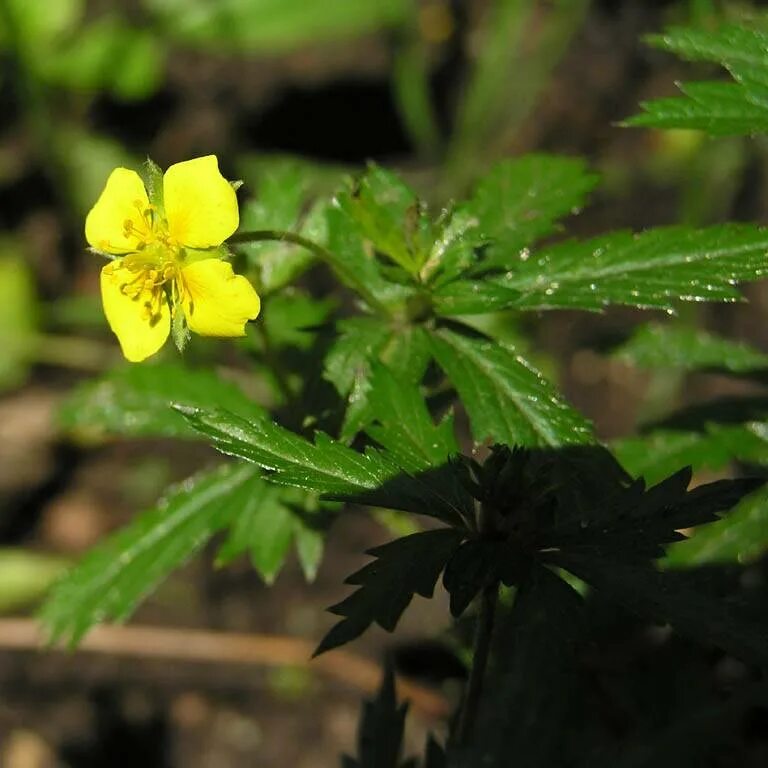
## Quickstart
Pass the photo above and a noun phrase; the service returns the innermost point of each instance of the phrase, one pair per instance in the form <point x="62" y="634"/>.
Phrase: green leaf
<point x="652" y="269"/>
<point x="361" y="343"/>
<point x="531" y="678"/>
<point x="329" y="467"/>
<point x="136" y="400"/>
<point x="324" y="466"/>
<point x="686" y="600"/>
<point x="507" y="400"/>
<point x="387" y="213"/>
<point x="270" y="519"/>
<point x="26" y="576"/>
<point x="381" y="730"/>
<point x="272" y="26"/>
<point x="521" y="200"/>
<point x="115" y="576"/>
<point x="357" y="268"/>
<point x="292" y="317"/>
<point x="404" y="425"/>
<point x="403" y="568"/>
<point x="473" y="297"/>
<point x="740" y="107"/>
<point x="714" y="448"/>
<point x="741" y="536"/>
<point x="665" y="346"/>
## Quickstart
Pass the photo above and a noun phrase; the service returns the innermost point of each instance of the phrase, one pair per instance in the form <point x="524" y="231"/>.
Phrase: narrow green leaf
<point x="325" y="466"/>
<point x="403" y="568"/>
<point x="521" y="200"/>
<point x="665" y="346"/>
<point x="136" y="400"/>
<point x="653" y="269"/>
<point x="265" y="527"/>
<point x="507" y="399"/>
<point x="115" y="576"/>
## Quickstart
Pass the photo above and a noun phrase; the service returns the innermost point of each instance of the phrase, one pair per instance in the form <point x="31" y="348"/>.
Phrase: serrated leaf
<point x="473" y="297"/>
<point x="381" y="729"/>
<point x="402" y="568"/>
<point x="665" y="346"/>
<point x="531" y="678"/>
<point x="324" y="466"/>
<point x="718" y="108"/>
<point x="741" y="536"/>
<point x="404" y="425"/>
<point x="685" y="600"/>
<point x="521" y="200"/>
<point x="330" y="467"/>
<point x="388" y="214"/>
<point x="715" y="447"/>
<point x="115" y="576"/>
<point x="136" y="400"/>
<point x="266" y="526"/>
<point x="653" y="269"/>
<point x="507" y="399"/>
<point x="362" y="341"/>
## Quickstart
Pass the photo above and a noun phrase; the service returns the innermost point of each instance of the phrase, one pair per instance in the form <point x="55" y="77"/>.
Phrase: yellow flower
<point x="168" y="268"/>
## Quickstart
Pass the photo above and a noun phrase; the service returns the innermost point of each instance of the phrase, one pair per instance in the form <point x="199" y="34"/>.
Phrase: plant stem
<point x="322" y="253"/>
<point x="481" y="651"/>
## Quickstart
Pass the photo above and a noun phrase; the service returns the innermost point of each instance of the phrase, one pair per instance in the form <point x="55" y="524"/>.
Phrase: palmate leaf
<point x="136" y="401"/>
<point x="403" y="568"/>
<point x="665" y="346"/>
<point x="740" y="107"/>
<point x="508" y="401"/>
<point x="114" y="577"/>
<point x="653" y="269"/>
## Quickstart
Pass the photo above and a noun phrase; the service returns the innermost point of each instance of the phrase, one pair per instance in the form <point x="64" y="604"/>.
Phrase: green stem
<point x="481" y="652"/>
<point x="322" y="253"/>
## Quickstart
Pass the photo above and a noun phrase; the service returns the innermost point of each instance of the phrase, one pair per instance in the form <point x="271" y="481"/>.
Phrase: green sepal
<point x="153" y="180"/>
<point x="179" y="329"/>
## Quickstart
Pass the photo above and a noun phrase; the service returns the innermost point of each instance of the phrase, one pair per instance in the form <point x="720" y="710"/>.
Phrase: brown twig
<point x="226" y="647"/>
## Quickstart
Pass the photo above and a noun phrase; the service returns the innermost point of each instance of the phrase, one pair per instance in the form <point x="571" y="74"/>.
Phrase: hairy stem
<point x="481" y="651"/>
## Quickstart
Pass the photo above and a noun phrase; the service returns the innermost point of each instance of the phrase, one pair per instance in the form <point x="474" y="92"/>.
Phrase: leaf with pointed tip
<point x="136" y="400"/>
<point x="521" y="200"/>
<point x="381" y="729"/>
<point x="402" y="568"/>
<point x="653" y="269"/>
<point x="665" y="346"/>
<point x="507" y="400"/>
<point x="741" y="536"/>
<point x="739" y="107"/>
<point x="115" y="576"/>
<point x="271" y="518"/>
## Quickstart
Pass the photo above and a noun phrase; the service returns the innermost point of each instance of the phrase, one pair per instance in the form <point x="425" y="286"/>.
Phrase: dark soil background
<point x="330" y="102"/>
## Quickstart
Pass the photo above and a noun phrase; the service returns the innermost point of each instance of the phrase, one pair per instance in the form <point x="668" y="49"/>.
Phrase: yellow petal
<point x="140" y="331"/>
<point x="217" y="302"/>
<point x="200" y="204"/>
<point x="123" y="200"/>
